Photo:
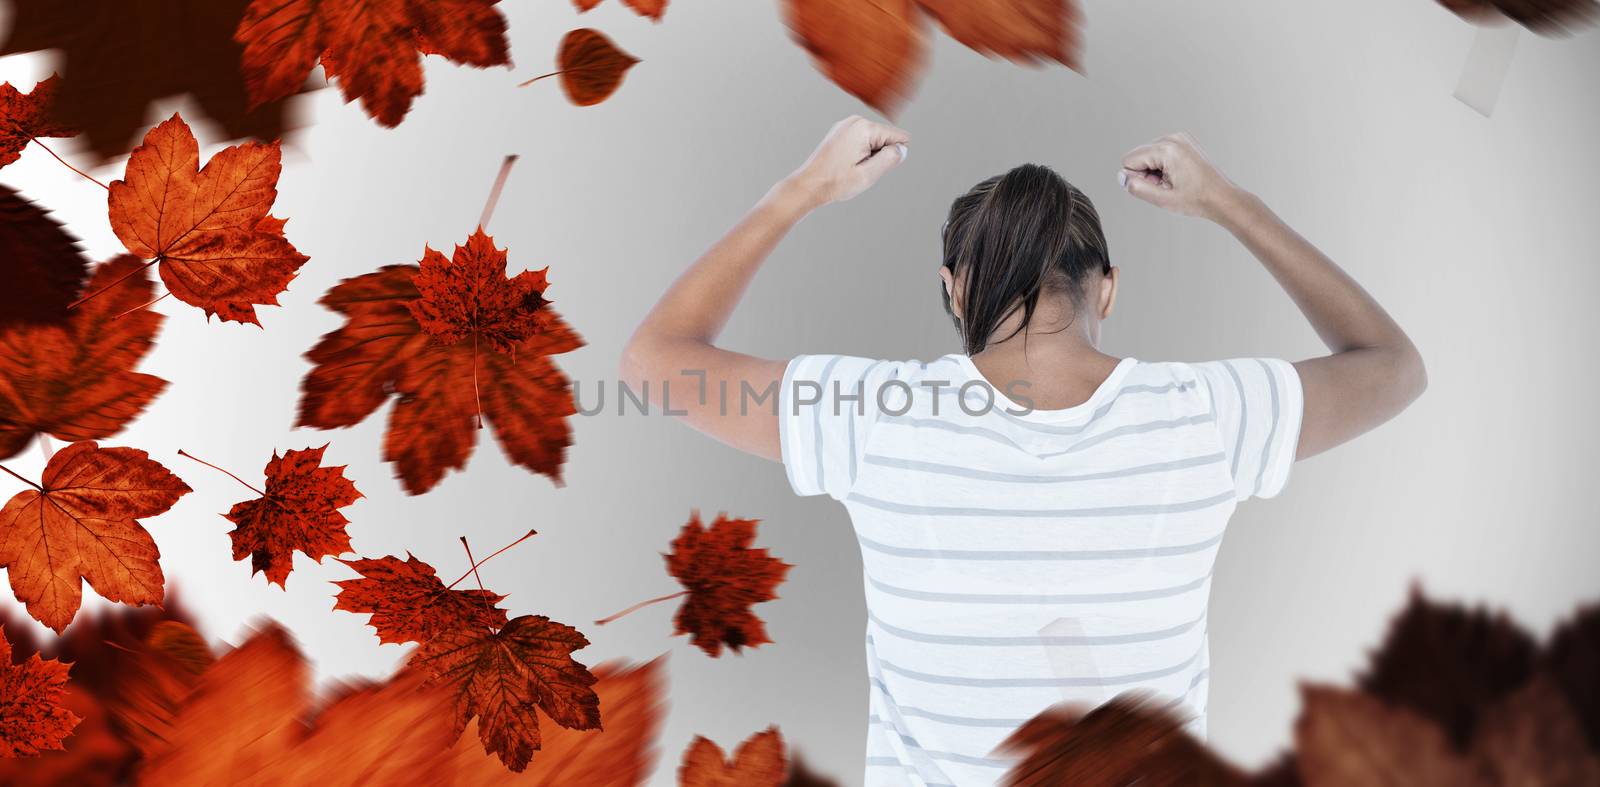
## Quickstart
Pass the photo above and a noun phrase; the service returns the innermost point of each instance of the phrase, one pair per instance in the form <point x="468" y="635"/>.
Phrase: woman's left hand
<point x="853" y="156"/>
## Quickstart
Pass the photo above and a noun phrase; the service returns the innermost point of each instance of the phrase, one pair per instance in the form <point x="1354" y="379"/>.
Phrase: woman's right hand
<point x="1173" y="173"/>
<point x="853" y="156"/>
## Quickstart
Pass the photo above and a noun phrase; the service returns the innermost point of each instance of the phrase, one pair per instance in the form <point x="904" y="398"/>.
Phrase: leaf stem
<point x="487" y="607"/>
<point x="10" y="472"/>
<point x="642" y="605"/>
<point x="64" y="163"/>
<point x="120" y="279"/>
<point x="477" y="413"/>
<point x="528" y="82"/>
<point x="494" y="191"/>
<point x="182" y="452"/>
<point x="142" y="306"/>
<point x="474" y="569"/>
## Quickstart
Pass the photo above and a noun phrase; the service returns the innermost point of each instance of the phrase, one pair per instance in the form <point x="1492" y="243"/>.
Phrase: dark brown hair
<point x="1013" y="237"/>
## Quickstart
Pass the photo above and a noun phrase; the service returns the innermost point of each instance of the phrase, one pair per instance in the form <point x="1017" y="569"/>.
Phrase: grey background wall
<point x="1480" y="235"/>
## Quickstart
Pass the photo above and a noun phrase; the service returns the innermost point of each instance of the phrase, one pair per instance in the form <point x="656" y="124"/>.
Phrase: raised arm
<point x="1373" y="370"/>
<point x="675" y="349"/>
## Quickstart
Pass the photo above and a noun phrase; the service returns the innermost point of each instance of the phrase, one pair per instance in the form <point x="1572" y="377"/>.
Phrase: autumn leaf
<point x="1448" y="663"/>
<point x="382" y="351"/>
<point x="469" y="296"/>
<point x="723" y="577"/>
<point x="1569" y="660"/>
<point x="118" y="58"/>
<point x="501" y="676"/>
<point x="408" y="603"/>
<point x="154" y="680"/>
<point x="622" y="754"/>
<point x="876" y="50"/>
<point x="24" y="117"/>
<point x="75" y="380"/>
<point x="209" y="229"/>
<point x="40" y="263"/>
<point x="590" y="66"/>
<point x="371" y="49"/>
<point x="81" y="524"/>
<point x="244" y="724"/>
<point x="758" y="762"/>
<point x="1129" y="740"/>
<point x="32" y="718"/>
<point x="299" y="511"/>
<point x="1545" y="17"/>
<point x="1345" y="738"/>
<point x="651" y="8"/>
<point x="1534" y="738"/>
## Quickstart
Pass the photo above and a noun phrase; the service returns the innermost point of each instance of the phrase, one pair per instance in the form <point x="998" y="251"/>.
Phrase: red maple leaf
<point x="40" y="263"/>
<point x="1131" y="739"/>
<point x="470" y="296"/>
<point x="75" y="380"/>
<point x="81" y="524"/>
<point x="299" y="511"/>
<point x="723" y="577"/>
<point x="209" y="229"/>
<point x="761" y="761"/>
<point x="32" y="718"/>
<point x="24" y="117"/>
<point x="408" y="603"/>
<point x="501" y="676"/>
<point x="651" y="8"/>
<point x="876" y="50"/>
<point x="382" y="350"/>
<point x="372" y="48"/>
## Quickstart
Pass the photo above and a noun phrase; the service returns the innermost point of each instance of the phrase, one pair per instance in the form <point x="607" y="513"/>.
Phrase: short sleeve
<point x="827" y="405"/>
<point x="1257" y="405"/>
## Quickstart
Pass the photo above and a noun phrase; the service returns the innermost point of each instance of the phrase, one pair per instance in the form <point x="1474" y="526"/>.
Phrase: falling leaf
<point x="81" y="524"/>
<point x="621" y="754"/>
<point x="723" y="577"/>
<point x="209" y="229"/>
<point x="76" y="380"/>
<point x="382" y="350"/>
<point x="26" y="116"/>
<point x="39" y="262"/>
<point x="876" y="50"/>
<point x="298" y="512"/>
<point x="1448" y="663"/>
<point x="372" y="49"/>
<point x="408" y="603"/>
<point x="1570" y="661"/>
<point x="243" y="724"/>
<point x="32" y="718"/>
<point x="1533" y="738"/>
<point x="118" y="58"/>
<point x="651" y="8"/>
<point x="502" y="676"/>
<point x="1347" y="738"/>
<point x="590" y="66"/>
<point x="1128" y="740"/>
<point x="155" y="679"/>
<point x="1545" y="17"/>
<point x="1020" y="30"/>
<point x="759" y="762"/>
<point x="469" y="296"/>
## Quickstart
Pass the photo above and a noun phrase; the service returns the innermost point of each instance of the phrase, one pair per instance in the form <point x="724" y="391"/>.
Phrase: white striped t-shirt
<point x="1016" y="559"/>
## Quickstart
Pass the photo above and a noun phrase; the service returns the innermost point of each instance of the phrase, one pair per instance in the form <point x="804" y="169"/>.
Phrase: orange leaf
<point x="622" y="754"/>
<point x="372" y="48"/>
<point x="82" y="524"/>
<point x="382" y="350"/>
<point x="591" y="67"/>
<point x="76" y="380"/>
<point x="651" y="8"/>
<point x="408" y="603"/>
<point x="759" y="762"/>
<point x="470" y="296"/>
<point x="502" y="676"/>
<point x="40" y="263"/>
<point x="209" y="229"/>
<point x="300" y="511"/>
<point x="24" y="116"/>
<point x="1344" y="738"/>
<point x="724" y="578"/>
<point x="32" y="718"/>
<point x="1021" y="30"/>
<point x="243" y="725"/>
<point x="873" y="50"/>
<point x="1128" y="740"/>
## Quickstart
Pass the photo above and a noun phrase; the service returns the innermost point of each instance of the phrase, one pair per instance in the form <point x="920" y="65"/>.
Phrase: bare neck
<point x="1061" y="368"/>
